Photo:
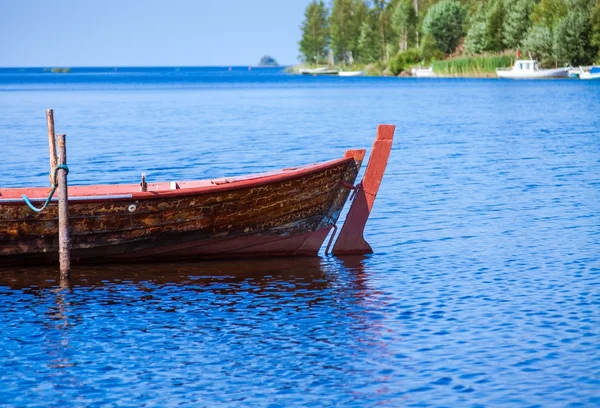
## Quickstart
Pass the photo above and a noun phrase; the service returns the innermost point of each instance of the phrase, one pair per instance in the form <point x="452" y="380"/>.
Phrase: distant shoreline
<point x="140" y="66"/>
<point x="295" y="70"/>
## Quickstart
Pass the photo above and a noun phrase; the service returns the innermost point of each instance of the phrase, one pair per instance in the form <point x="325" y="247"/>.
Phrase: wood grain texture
<point x="64" y="242"/>
<point x="241" y="218"/>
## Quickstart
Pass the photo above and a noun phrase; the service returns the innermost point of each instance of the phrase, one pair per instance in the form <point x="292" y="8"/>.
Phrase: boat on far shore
<point x="529" y="69"/>
<point x="350" y="73"/>
<point x="593" y="73"/>
<point x="423" y="72"/>
<point x="575" y="72"/>
<point x="319" y="71"/>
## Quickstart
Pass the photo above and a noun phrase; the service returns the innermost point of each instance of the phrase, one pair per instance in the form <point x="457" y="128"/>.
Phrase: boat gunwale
<point x="230" y="184"/>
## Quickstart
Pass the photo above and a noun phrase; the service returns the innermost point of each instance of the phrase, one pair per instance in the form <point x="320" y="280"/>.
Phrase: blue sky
<point x="148" y="32"/>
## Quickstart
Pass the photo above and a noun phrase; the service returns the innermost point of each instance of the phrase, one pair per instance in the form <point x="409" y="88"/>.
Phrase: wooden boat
<point x="287" y="212"/>
<point x="529" y="69"/>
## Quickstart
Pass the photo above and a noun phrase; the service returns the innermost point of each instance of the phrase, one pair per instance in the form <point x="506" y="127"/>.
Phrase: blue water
<point x="484" y="289"/>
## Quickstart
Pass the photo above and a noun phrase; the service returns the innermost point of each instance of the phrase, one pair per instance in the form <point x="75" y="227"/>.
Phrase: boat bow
<point x="351" y="239"/>
<point x="287" y="212"/>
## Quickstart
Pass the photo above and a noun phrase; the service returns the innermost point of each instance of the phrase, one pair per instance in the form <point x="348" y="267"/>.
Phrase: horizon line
<point x="145" y="66"/>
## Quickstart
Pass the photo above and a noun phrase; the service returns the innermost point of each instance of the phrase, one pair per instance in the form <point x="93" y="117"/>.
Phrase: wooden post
<point x="64" y="242"/>
<point x="51" y="143"/>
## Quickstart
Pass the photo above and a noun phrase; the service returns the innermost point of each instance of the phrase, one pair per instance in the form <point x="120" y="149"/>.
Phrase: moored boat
<point x="575" y="72"/>
<point x="529" y="69"/>
<point x="319" y="71"/>
<point x="351" y="73"/>
<point x="287" y="212"/>
<point x="423" y="72"/>
<point x="593" y="73"/>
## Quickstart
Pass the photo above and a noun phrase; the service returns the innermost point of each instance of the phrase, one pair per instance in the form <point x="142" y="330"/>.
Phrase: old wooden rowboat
<point x="288" y="212"/>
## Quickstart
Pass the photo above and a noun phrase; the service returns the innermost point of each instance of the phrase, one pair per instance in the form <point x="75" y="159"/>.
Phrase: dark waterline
<point x="483" y="289"/>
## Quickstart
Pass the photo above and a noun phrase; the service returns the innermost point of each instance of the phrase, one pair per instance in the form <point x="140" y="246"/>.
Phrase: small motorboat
<point x="350" y="73"/>
<point x="423" y="72"/>
<point x="319" y="71"/>
<point x="529" y="69"/>
<point x="575" y="72"/>
<point x="282" y="213"/>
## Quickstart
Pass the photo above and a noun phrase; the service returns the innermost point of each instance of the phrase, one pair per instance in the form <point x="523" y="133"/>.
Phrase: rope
<point x="355" y="189"/>
<point x="28" y="202"/>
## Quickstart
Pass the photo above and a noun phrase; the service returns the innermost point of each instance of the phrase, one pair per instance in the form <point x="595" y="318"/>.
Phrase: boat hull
<point x="539" y="74"/>
<point x="184" y="247"/>
<point x="423" y="72"/>
<point x="351" y="73"/>
<point x="588" y="76"/>
<point x="284" y="213"/>
<point x="319" y="71"/>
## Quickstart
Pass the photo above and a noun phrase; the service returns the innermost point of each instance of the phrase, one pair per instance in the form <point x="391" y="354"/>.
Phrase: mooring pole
<point x="51" y="142"/>
<point x="64" y="242"/>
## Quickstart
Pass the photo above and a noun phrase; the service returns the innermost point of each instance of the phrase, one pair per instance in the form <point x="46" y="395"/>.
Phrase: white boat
<point x="528" y="69"/>
<point x="319" y="71"/>
<point x="575" y="72"/>
<point x="593" y="73"/>
<point x="350" y="73"/>
<point x="423" y="72"/>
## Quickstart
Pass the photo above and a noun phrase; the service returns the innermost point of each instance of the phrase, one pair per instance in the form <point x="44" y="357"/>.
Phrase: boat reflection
<point x="118" y="315"/>
<point x="317" y="273"/>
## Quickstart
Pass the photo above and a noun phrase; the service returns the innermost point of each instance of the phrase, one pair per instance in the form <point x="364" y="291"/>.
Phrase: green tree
<point x="548" y="12"/>
<point x="572" y="38"/>
<point x="472" y="6"/>
<point x="429" y="49"/>
<point x="539" y="42"/>
<point x="475" y="42"/>
<point x="391" y="35"/>
<point x="595" y="22"/>
<point x="404" y="60"/>
<point x="516" y="22"/>
<point x="315" y="33"/>
<point x="581" y="5"/>
<point x="369" y="41"/>
<point x="380" y="11"/>
<point x="494" y="26"/>
<point x="444" y="23"/>
<point x="345" y="21"/>
<point x="404" y="21"/>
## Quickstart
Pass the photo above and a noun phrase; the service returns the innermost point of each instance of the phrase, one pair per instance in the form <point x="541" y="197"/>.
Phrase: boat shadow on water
<point x="313" y="273"/>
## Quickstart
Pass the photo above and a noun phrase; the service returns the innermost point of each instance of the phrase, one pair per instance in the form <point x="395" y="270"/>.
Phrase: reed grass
<point x="476" y="66"/>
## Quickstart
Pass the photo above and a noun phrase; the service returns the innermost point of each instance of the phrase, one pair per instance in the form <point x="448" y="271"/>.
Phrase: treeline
<point x="397" y="33"/>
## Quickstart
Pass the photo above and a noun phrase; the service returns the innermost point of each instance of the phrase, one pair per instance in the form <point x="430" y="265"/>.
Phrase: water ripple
<point x="483" y="289"/>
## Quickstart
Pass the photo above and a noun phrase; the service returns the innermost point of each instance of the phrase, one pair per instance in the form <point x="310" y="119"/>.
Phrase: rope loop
<point x="54" y="186"/>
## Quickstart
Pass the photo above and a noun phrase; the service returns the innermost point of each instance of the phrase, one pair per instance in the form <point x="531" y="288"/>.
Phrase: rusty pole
<point x="51" y="142"/>
<point x="64" y="242"/>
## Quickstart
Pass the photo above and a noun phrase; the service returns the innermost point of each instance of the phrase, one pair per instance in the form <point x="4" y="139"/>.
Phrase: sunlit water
<point x="484" y="289"/>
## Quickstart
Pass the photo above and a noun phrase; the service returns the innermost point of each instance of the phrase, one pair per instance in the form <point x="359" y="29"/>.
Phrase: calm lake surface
<point x="484" y="289"/>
